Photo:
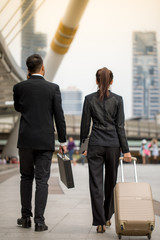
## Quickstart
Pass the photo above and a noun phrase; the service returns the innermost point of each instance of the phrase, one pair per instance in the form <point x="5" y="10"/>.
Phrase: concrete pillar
<point x="10" y="148"/>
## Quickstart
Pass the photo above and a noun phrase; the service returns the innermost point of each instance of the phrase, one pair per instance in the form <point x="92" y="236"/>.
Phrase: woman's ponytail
<point x="104" y="77"/>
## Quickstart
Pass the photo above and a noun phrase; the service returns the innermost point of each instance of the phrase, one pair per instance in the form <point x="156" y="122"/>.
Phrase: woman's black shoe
<point x="24" y="222"/>
<point x="101" y="228"/>
<point x="39" y="227"/>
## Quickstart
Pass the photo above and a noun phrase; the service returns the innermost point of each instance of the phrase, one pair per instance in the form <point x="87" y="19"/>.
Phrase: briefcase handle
<point x="64" y="155"/>
<point x="135" y="168"/>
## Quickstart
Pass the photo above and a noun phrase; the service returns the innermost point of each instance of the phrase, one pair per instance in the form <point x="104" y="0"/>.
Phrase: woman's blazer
<point x="108" y="121"/>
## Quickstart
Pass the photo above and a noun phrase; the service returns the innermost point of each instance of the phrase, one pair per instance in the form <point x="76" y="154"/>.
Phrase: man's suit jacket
<point x="39" y="103"/>
<point x="108" y="121"/>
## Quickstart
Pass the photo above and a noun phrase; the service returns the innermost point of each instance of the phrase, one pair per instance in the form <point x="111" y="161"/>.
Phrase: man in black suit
<point x="39" y="103"/>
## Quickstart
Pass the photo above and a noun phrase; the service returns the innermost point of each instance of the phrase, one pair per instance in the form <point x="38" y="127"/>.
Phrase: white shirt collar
<point x="37" y="74"/>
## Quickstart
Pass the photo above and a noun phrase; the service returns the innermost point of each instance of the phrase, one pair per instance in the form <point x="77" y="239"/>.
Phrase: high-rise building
<point x="146" y="89"/>
<point x="31" y="42"/>
<point x="72" y="101"/>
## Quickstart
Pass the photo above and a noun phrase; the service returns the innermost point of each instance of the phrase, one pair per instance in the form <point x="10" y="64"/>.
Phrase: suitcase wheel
<point x="119" y="236"/>
<point x="152" y="227"/>
<point x="149" y="236"/>
<point x="122" y="227"/>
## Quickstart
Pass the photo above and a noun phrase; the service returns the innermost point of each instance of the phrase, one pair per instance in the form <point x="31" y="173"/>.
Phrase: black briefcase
<point x="65" y="170"/>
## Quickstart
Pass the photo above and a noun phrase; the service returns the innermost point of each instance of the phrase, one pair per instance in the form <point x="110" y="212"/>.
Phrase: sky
<point x="103" y="39"/>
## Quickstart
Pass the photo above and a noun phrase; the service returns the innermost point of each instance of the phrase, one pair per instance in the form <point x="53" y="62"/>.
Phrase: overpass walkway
<point x="68" y="212"/>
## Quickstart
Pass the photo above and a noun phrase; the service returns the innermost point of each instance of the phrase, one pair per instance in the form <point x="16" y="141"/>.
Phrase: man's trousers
<point x="34" y="164"/>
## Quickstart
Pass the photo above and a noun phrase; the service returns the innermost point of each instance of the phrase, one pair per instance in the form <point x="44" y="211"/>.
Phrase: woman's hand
<point x="127" y="157"/>
<point x="85" y="153"/>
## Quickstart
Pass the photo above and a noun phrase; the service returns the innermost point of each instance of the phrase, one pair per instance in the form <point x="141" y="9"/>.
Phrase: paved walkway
<point x="68" y="212"/>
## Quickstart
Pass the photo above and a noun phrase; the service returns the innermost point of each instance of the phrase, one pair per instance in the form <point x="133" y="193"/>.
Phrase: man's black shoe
<point x="24" y="222"/>
<point x="39" y="227"/>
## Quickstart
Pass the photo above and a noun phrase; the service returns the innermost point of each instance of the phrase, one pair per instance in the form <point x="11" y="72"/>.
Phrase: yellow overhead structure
<point x="62" y="39"/>
<point x="64" y="36"/>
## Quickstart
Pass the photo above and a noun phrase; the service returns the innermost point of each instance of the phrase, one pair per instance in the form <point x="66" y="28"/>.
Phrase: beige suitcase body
<point x="134" y="213"/>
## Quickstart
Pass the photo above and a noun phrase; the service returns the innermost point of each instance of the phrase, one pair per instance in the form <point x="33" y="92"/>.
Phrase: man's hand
<point x="62" y="149"/>
<point x="127" y="157"/>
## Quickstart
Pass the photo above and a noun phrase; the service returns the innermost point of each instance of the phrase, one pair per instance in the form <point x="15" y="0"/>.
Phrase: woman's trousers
<point x="103" y="166"/>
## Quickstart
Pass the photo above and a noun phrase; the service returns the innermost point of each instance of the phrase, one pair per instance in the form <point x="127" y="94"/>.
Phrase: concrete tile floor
<point x="68" y="215"/>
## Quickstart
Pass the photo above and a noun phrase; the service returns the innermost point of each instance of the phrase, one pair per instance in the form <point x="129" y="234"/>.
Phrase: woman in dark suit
<point x="107" y="139"/>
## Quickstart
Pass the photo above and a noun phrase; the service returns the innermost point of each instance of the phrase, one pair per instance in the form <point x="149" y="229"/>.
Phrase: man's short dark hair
<point x="34" y="63"/>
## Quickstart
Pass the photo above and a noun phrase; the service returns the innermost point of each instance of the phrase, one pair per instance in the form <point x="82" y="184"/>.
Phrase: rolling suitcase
<point x="134" y="213"/>
<point x="65" y="170"/>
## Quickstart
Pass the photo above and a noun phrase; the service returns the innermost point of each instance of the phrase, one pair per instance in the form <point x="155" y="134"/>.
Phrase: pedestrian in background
<point x="71" y="148"/>
<point x="105" y="109"/>
<point x="39" y="103"/>
<point x="144" y="151"/>
<point x="154" y="145"/>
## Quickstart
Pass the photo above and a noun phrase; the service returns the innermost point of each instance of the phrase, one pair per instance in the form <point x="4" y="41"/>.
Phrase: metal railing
<point x="134" y="129"/>
<point x="6" y="127"/>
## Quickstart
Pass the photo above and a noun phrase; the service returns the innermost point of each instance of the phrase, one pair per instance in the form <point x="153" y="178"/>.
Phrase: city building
<point x="146" y="89"/>
<point x="31" y="42"/>
<point x="72" y="101"/>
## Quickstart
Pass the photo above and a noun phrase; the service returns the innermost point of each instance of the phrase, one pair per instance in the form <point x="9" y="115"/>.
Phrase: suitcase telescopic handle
<point x="135" y="168"/>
